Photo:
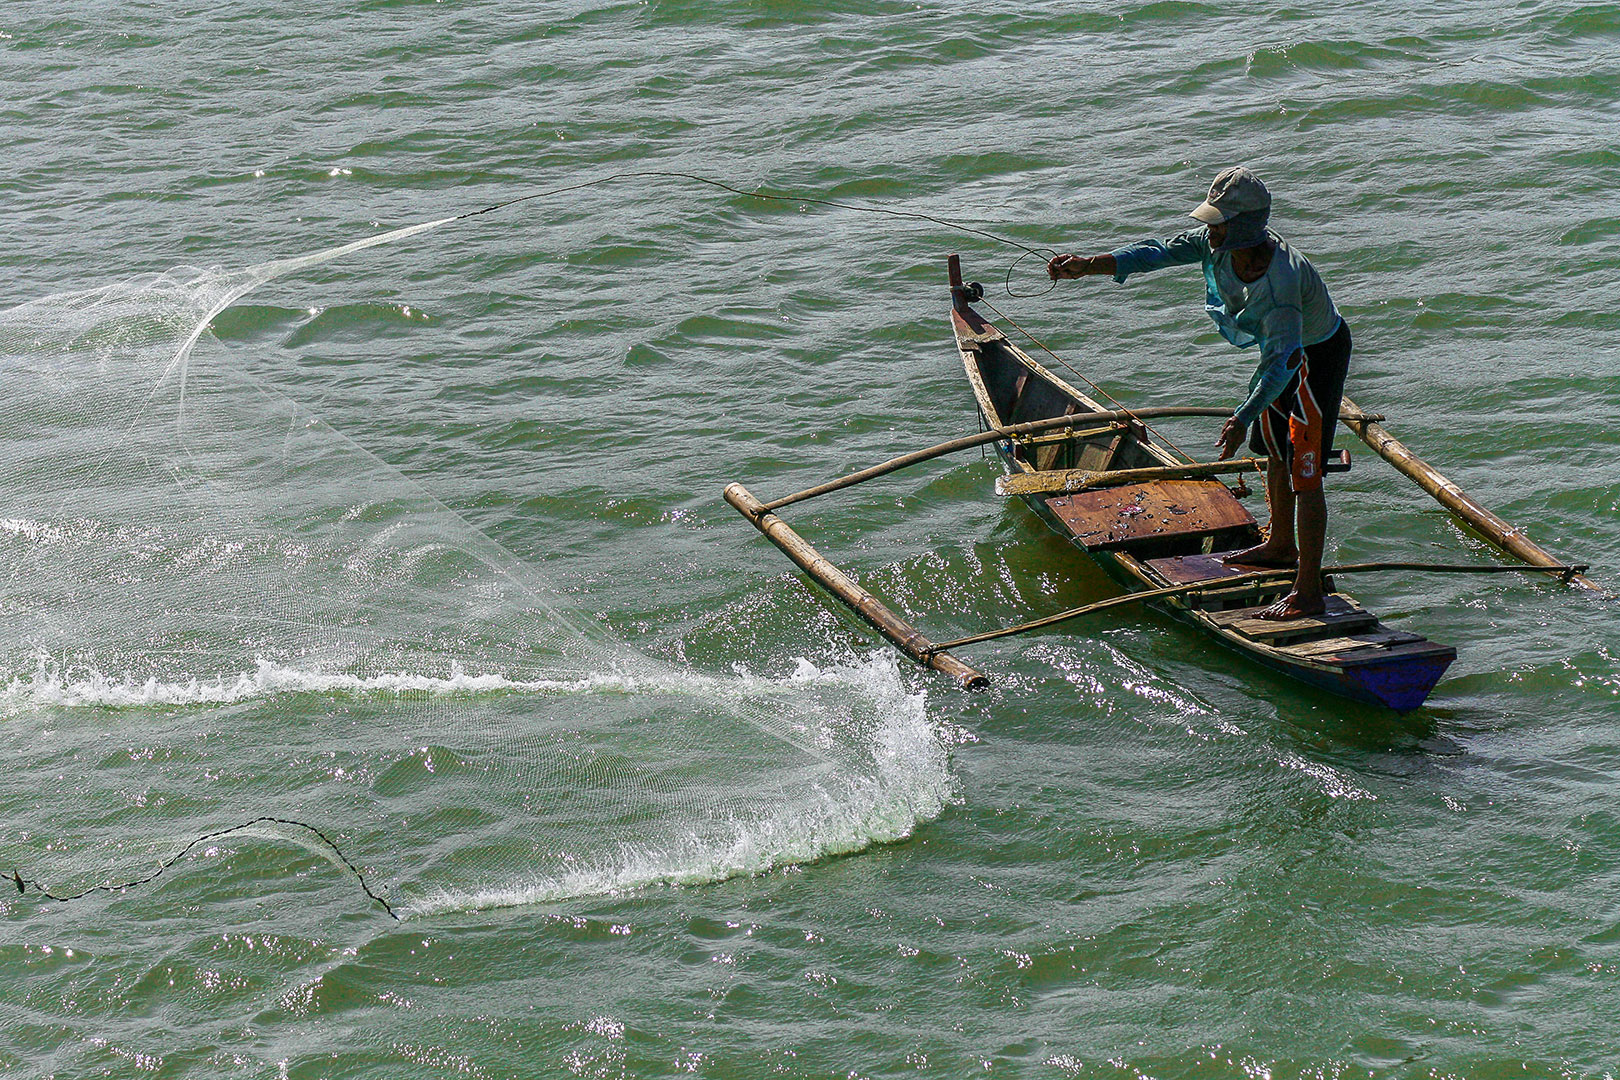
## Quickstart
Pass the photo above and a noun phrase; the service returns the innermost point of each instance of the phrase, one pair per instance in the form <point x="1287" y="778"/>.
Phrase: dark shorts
<point x="1298" y="427"/>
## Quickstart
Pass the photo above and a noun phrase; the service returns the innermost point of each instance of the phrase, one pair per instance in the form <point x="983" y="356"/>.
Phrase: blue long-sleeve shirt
<point x="1283" y="311"/>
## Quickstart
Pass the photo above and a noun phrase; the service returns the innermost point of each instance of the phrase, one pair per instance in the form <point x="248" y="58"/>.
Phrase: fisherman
<point x="1259" y="290"/>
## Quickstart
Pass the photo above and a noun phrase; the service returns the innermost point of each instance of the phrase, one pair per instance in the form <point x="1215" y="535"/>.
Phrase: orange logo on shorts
<point x="1307" y="464"/>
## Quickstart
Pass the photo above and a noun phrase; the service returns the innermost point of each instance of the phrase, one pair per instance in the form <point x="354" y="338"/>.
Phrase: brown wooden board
<point x="1423" y="649"/>
<point x="1115" y="517"/>
<point x="1094" y="472"/>
<point x="1342" y="616"/>
<point x="1368" y="655"/>
<point x="1254" y="594"/>
<point x="1382" y="638"/>
<point x="1186" y="569"/>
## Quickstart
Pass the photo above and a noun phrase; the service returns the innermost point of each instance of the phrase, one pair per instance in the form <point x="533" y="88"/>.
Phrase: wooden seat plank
<point x="1250" y="595"/>
<point x="1342" y="615"/>
<point x="1416" y="650"/>
<point x="1381" y="639"/>
<point x="1094" y="469"/>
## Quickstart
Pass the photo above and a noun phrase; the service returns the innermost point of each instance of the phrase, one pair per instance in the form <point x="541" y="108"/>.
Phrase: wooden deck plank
<point x="1186" y="569"/>
<point x="1095" y="471"/>
<point x="1381" y="639"/>
<point x="1422" y="649"/>
<point x="1115" y="517"/>
<point x="1253" y="594"/>
<point x="1342" y="615"/>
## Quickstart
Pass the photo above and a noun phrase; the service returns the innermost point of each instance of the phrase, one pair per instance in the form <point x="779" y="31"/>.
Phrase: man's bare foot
<point x="1294" y="606"/>
<point x="1280" y="558"/>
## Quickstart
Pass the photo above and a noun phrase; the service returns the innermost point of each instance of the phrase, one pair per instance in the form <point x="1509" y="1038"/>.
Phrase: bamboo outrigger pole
<point x="901" y="633"/>
<point x="1491" y="528"/>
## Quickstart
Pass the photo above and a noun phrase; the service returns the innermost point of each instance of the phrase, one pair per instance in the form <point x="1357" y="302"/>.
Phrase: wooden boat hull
<point x="1171" y="532"/>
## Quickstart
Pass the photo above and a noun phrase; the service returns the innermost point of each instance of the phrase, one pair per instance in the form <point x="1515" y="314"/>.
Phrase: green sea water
<point x="423" y="545"/>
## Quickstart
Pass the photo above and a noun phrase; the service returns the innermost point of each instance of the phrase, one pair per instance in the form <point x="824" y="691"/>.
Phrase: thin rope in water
<point x="23" y="884"/>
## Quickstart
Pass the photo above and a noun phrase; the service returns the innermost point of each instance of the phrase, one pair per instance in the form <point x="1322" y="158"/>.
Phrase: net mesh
<point x="214" y="606"/>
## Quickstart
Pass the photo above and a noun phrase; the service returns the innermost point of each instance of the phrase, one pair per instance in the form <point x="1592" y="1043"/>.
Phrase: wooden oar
<point x="1063" y="481"/>
<point x="1212" y="584"/>
<point x="1491" y="528"/>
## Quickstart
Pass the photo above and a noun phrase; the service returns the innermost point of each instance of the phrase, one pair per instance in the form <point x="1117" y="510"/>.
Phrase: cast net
<point x="214" y="608"/>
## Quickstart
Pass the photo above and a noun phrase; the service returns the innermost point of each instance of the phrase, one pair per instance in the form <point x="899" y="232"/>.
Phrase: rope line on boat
<point x="1186" y="457"/>
<point x="905" y="214"/>
<point x="1051" y="253"/>
<point x="24" y="884"/>
<point x="1279" y="575"/>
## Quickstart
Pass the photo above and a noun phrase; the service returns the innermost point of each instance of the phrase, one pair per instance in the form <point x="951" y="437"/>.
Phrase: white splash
<point x="48" y="686"/>
<point x="908" y="783"/>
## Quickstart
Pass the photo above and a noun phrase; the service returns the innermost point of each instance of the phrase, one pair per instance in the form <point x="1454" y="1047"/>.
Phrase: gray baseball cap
<point x="1235" y="191"/>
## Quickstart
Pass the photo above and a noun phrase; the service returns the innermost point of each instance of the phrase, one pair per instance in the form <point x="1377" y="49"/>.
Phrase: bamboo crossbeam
<point x="1063" y="481"/>
<point x="1012" y="431"/>
<point x="840" y="585"/>
<point x="999" y="434"/>
<point x="1069" y="436"/>
<point x="1491" y="528"/>
<point x="1565" y="572"/>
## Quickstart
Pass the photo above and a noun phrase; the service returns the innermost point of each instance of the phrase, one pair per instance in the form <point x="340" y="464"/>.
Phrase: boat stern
<point x="1402" y="683"/>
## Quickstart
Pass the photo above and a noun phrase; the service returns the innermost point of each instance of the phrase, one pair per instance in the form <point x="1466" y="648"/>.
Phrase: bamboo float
<point x="1214" y="584"/>
<point x="868" y="607"/>
<point x="1491" y="528"/>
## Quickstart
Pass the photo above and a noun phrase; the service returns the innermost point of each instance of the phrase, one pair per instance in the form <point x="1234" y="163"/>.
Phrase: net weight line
<point x="24" y="884"/>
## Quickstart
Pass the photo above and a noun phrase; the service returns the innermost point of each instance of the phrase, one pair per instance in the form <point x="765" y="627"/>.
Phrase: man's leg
<point x="1312" y="416"/>
<point x="1307" y="597"/>
<point x="1305" y="491"/>
<point x="1278" y="548"/>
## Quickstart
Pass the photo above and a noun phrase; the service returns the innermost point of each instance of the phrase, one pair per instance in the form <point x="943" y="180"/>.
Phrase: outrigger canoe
<point x="1159" y="533"/>
<point x="1101" y="478"/>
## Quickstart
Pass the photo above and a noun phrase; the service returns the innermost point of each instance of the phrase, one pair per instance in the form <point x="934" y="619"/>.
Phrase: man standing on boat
<point x="1260" y="291"/>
